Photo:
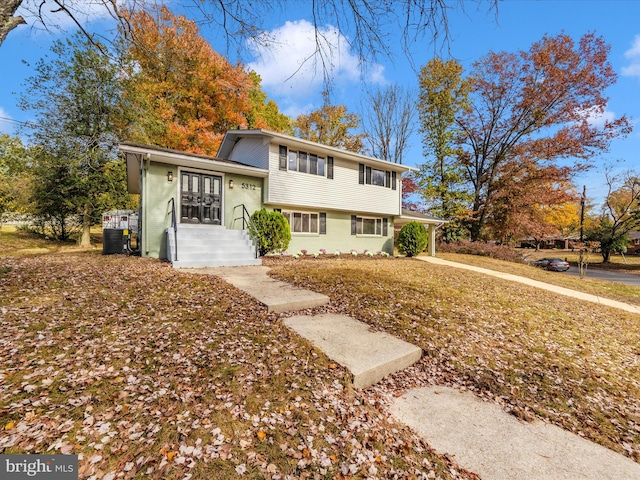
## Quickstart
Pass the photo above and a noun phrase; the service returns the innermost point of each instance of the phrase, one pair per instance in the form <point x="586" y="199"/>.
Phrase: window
<point x="373" y="176"/>
<point x="369" y="226"/>
<point x="293" y="161"/>
<point x="305" y="162"/>
<point x="306" y="222"/>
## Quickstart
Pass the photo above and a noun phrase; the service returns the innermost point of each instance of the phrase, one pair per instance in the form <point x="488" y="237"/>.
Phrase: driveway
<point x="609" y="275"/>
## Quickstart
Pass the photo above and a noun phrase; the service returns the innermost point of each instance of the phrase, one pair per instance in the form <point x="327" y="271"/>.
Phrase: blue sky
<point x="474" y="33"/>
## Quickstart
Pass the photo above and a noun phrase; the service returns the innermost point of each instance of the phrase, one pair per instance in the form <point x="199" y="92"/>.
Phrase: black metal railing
<point x="174" y="226"/>
<point x="247" y="225"/>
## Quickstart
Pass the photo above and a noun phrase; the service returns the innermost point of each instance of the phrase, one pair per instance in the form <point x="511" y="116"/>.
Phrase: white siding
<point x="343" y="192"/>
<point x="251" y="151"/>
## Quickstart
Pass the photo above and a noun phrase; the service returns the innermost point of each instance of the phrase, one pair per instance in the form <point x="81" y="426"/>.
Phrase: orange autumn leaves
<point x="183" y="94"/>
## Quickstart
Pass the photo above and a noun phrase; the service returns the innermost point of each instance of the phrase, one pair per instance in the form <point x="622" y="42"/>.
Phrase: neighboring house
<point x="563" y="242"/>
<point x="333" y="199"/>
<point x="634" y="242"/>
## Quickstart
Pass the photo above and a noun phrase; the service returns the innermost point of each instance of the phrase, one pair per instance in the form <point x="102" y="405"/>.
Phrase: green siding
<point x="246" y="191"/>
<point x="156" y="215"/>
<point x="338" y="236"/>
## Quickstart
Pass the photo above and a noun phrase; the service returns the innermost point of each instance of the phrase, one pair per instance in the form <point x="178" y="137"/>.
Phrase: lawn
<point x="149" y="372"/>
<point x="538" y="354"/>
<point x="616" y="291"/>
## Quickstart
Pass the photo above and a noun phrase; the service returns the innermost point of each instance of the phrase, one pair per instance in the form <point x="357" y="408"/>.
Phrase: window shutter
<point x="385" y="228"/>
<point x="323" y="223"/>
<point x="361" y="174"/>
<point x="394" y="180"/>
<point x="368" y="175"/>
<point x="330" y="167"/>
<point x="353" y="224"/>
<point x="283" y="157"/>
<point x="387" y="179"/>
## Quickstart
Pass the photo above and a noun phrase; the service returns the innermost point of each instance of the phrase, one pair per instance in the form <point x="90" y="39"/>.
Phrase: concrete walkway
<point x="484" y="439"/>
<point x="277" y="296"/>
<point x="535" y="283"/>
<point x="368" y="355"/>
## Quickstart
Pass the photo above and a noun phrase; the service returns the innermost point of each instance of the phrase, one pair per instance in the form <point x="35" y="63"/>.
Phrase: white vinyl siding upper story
<point x="342" y="192"/>
<point x="251" y="151"/>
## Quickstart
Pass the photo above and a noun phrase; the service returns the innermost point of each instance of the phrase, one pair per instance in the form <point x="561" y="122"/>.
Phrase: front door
<point x="200" y="198"/>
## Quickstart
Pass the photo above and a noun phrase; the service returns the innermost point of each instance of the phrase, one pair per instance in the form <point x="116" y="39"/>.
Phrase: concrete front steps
<point x="201" y="246"/>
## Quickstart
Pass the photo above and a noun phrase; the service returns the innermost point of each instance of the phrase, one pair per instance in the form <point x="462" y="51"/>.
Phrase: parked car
<point x="555" y="264"/>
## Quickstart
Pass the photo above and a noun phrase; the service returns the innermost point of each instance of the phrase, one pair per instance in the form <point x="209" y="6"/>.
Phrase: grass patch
<point x="615" y="291"/>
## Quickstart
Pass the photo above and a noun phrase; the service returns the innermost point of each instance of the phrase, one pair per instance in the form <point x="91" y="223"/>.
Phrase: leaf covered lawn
<point x="147" y="372"/>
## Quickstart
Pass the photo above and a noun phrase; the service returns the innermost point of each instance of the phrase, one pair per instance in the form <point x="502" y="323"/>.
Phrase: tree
<point x="534" y="107"/>
<point x="367" y="23"/>
<point x="264" y="113"/>
<point x="185" y="95"/>
<point x="523" y="192"/>
<point x="443" y="97"/>
<point x="389" y="122"/>
<point x="330" y="125"/>
<point x="76" y="99"/>
<point x="14" y="175"/>
<point x="7" y="19"/>
<point x="620" y="214"/>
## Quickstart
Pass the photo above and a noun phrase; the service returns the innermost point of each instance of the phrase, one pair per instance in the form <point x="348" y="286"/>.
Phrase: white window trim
<point x="291" y="212"/>
<point x="358" y="217"/>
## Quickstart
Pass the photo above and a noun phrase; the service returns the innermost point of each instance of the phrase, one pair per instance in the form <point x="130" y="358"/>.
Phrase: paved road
<point x="609" y="275"/>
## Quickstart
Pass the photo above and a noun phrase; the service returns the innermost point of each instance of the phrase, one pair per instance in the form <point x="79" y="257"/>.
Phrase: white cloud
<point x="633" y="55"/>
<point x="294" y="58"/>
<point x="597" y="117"/>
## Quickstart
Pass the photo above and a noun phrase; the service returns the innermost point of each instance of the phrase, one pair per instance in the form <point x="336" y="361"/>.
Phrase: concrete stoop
<point x="367" y="354"/>
<point x="486" y="440"/>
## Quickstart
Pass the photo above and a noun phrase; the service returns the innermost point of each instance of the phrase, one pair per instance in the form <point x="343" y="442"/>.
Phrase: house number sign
<point x="248" y="186"/>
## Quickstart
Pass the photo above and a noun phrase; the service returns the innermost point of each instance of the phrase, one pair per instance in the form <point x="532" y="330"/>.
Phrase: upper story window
<point x="373" y="176"/>
<point x="304" y="162"/>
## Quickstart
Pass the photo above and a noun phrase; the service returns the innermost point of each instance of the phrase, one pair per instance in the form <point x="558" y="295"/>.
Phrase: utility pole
<point x="582" y="200"/>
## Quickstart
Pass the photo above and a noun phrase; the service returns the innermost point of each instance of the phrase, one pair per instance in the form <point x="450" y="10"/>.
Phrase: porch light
<point x="170" y="176"/>
<point x="230" y="184"/>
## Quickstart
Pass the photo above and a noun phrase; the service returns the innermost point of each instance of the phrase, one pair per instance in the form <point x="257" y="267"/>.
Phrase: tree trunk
<point x="7" y="21"/>
<point x="85" y="239"/>
<point x="605" y="256"/>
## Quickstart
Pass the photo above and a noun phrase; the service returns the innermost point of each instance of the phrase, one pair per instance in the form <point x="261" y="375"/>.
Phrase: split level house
<point x="194" y="209"/>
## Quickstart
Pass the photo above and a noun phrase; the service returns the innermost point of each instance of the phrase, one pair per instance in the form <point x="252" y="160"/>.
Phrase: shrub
<point x="483" y="249"/>
<point x="272" y="231"/>
<point x="412" y="239"/>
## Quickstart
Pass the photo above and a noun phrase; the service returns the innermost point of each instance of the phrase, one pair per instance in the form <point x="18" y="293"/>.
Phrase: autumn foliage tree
<point x="330" y="125"/>
<point x="620" y="213"/>
<point x="528" y="111"/>
<point x="186" y="95"/>
<point x="443" y="97"/>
